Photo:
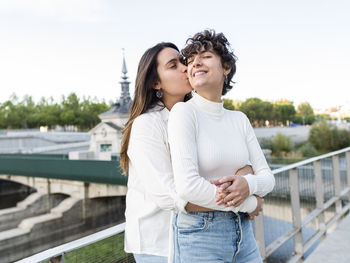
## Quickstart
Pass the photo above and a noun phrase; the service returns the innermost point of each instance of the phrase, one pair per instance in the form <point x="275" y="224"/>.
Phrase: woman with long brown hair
<point x="161" y="82"/>
<point x="145" y="155"/>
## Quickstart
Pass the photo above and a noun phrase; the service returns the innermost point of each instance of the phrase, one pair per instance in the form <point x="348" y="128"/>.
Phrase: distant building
<point x="106" y="136"/>
<point x="338" y="112"/>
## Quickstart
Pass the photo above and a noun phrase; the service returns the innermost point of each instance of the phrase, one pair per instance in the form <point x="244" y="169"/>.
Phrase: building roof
<point x="114" y="126"/>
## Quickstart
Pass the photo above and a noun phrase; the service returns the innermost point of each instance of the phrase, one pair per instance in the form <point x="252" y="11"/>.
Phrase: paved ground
<point x="297" y="134"/>
<point x="34" y="141"/>
<point x="335" y="248"/>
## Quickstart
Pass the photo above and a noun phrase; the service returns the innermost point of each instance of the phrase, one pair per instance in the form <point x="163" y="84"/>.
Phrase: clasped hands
<point x="234" y="189"/>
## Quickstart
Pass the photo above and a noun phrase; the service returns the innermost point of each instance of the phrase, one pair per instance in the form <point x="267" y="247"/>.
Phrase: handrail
<point x="308" y="161"/>
<point x="73" y="245"/>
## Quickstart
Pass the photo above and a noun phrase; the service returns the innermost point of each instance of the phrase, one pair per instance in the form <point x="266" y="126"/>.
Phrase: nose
<point x="184" y="68"/>
<point x="197" y="61"/>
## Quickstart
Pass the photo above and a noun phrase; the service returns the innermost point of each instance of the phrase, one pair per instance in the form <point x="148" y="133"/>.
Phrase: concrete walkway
<point x="335" y="248"/>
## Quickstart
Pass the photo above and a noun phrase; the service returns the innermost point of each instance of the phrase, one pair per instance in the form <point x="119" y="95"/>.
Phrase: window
<point x="105" y="147"/>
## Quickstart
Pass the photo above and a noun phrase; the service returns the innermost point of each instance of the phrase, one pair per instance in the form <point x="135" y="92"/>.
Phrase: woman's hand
<point x="233" y="189"/>
<point x="258" y="208"/>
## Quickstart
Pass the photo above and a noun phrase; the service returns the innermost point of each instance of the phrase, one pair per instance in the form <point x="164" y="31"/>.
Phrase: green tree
<point x="305" y="113"/>
<point x="48" y="112"/>
<point x="284" y="113"/>
<point x="228" y="104"/>
<point x="305" y="109"/>
<point x="284" y="102"/>
<point x="257" y="110"/>
<point x="71" y="113"/>
<point x="90" y="109"/>
<point x="26" y="110"/>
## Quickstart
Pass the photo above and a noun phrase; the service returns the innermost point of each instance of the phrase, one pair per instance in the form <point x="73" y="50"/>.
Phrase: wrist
<point x="251" y="180"/>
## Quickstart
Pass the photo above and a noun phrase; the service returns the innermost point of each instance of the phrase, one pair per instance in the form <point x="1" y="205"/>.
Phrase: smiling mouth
<point x="199" y="73"/>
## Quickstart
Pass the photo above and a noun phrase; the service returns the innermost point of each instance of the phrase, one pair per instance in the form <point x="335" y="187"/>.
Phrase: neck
<point x="212" y="92"/>
<point x="170" y="102"/>
<point x="214" y="97"/>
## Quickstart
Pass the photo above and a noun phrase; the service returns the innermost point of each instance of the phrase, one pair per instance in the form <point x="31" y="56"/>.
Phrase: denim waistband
<point x="213" y="214"/>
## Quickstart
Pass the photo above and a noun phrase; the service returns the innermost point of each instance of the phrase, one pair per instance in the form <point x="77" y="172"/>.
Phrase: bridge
<point x="72" y="198"/>
<point x="310" y="198"/>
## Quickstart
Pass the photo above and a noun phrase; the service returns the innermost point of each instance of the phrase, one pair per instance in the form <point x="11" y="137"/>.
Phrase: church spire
<point x="125" y="99"/>
<point x="124" y="70"/>
<point x="122" y="105"/>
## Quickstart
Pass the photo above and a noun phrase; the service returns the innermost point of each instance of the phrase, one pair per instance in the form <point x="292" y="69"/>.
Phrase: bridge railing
<point x="57" y="166"/>
<point x="309" y="198"/>
<point x="104" y="246"/>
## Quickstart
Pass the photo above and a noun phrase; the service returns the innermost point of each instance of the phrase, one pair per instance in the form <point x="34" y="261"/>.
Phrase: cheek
<point x="219" y="70"/>
<point x="189" y="71"/>
<point x="172" y="83"/>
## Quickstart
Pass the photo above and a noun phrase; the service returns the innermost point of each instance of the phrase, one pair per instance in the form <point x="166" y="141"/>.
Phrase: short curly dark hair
<point x="208" y="40"/>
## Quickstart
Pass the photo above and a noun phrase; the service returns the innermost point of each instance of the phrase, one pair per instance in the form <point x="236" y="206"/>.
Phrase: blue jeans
<point x="209" y="237"/>
<point x="144" y="258"/>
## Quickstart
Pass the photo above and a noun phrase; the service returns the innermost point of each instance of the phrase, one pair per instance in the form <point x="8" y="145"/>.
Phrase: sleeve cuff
<point x="181" y="204"/>
<point x="252" y="183"/>
<point x="252" y="203"/>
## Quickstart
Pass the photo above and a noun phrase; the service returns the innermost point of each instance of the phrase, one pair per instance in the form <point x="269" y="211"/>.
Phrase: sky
<point x="296" y="50"/>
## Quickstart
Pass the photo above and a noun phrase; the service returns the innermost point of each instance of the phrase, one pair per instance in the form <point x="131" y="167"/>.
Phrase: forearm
<point x="262" y="181"/>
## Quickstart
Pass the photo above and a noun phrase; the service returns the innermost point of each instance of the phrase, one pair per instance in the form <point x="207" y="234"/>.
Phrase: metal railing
<point x="84" y="249"/>
<point x="315" y="189"/>
<point x="311" y="197"/>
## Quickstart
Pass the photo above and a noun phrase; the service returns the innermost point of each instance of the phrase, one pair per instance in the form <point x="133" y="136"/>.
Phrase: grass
<point x="109" y="250"/>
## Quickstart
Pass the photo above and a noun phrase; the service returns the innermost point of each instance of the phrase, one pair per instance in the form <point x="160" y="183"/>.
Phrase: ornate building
<point x="106" y="136"/>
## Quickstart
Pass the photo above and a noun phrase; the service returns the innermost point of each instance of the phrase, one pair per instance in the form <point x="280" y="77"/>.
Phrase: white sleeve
<point x="262" y="181"/>
<point x="189" y="184"/>
<point x="150" y="157"/>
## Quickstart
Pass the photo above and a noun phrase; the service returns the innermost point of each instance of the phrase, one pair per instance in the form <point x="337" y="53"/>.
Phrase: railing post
<point x="337" y="187"/>
<point x="260" y="234"/>
<point x="319" y="196"/>
<point x="296" y="214"/>
<point x="347" y="158"/>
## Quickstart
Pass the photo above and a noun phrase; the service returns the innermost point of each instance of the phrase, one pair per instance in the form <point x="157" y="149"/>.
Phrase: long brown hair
<point x="145" y="95"/>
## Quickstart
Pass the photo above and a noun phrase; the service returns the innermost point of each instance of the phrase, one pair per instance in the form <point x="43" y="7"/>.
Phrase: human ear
<point x="157" y="86"/>
<point x="227" y="69"/>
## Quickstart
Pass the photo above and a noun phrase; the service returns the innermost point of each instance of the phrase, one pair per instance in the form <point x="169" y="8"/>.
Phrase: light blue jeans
<point x="209" y="237"/>
<point x="144" y="258"/>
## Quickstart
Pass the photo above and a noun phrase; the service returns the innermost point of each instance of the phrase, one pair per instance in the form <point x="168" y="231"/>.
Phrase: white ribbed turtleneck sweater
<point x="208" y="142"/>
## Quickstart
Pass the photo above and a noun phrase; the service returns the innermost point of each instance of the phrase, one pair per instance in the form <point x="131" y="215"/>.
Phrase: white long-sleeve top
<point x="208" y="142"/>
<point x="151" y="195"/>
<point x="151" y="192"/>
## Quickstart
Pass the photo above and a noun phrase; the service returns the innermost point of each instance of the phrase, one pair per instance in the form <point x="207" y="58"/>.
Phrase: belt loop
<point x="210" y="215"/>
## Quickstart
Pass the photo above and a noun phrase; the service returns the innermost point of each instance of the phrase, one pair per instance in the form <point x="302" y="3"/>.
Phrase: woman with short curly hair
<point x="207" y="143"/>
<point x="161" y="82"/>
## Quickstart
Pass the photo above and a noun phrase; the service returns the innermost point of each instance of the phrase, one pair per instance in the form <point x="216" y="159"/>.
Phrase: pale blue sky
<point x="298" y="50"/>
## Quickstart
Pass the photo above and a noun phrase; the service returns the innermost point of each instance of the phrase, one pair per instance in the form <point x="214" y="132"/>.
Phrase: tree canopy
<point x="22" y="114"/>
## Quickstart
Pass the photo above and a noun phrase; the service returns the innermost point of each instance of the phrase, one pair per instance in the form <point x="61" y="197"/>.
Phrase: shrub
<point x="308" y="150"/>
<point x="326" y="138"/>
<point x="266" y="143"/>
<point x="281" y="144"/>
<point x="320" y="136"/>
